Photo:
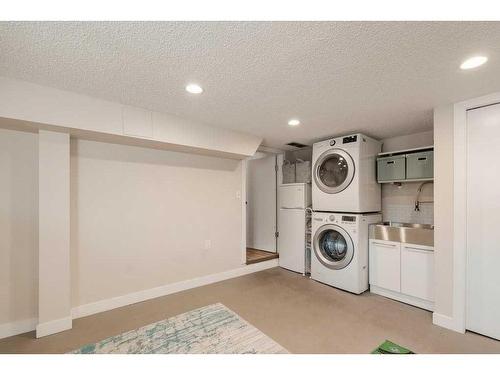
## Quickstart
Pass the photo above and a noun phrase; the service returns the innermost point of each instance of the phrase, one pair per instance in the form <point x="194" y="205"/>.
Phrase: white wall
<point x="405" y="142"/>
<point x="444" y="185"/>
<point x="398" y="201"/>
<point x="54" y="295"/>
<point x="140" y="218"/>
<point x="18" y="225"/>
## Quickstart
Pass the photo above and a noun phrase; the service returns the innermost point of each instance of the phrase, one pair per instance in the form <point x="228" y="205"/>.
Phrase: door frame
<point x="460" y="109"/>
<point x="244" y="165"/>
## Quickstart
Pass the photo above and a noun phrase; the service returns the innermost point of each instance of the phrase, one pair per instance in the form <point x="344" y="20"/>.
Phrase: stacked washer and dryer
<point x="346" y="199"/>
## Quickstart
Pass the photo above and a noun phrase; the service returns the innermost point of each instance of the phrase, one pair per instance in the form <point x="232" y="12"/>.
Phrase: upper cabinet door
<point x="137" y="122"/>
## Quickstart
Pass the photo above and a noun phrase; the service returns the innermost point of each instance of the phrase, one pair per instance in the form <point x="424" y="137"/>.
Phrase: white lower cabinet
<point x="385" y="260"/>
<point x="402" y="271"/>
<point x="417" y="271"/>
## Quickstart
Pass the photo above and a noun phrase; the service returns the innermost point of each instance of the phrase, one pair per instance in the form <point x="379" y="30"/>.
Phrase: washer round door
<point x="333" y="246"/>
<point x="334" y="171"/>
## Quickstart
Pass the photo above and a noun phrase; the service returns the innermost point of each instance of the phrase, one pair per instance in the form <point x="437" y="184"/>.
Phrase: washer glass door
<point x="334" y="171"/>
<point x="333" y="246"/>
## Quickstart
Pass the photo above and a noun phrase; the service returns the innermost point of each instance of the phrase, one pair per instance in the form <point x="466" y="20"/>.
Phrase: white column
<point x="54" y="298"/>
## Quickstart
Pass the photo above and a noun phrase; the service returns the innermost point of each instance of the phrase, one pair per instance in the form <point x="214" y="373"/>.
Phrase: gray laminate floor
<point x="300" y="314"/>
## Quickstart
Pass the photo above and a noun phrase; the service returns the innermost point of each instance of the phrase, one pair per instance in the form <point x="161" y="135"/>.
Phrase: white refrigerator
<point x="293" y="199"/>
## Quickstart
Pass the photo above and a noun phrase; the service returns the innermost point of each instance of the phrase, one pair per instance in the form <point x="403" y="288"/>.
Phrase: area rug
<point x="211" y="329"/>
<point x="388" y="347"/>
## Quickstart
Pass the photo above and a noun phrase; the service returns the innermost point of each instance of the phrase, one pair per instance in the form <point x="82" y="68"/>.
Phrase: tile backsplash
<point x="398" y="203"/>
<point x="404" y="213"/>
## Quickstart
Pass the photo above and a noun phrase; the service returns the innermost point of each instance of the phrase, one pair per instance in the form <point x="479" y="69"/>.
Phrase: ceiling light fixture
<point x="193" y="88"/>
<point x="473" y="62"/>
<point x="294" y="122"/>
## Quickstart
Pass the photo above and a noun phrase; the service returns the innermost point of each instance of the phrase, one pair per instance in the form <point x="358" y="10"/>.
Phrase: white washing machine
<point x="339" y="255"/>
<point x="344" y="175"/>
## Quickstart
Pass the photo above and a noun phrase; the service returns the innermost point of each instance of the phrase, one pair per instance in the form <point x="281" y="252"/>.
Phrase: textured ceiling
<point x="381" y="78"/>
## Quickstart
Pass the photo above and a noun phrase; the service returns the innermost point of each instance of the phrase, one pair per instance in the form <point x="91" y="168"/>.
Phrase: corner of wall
<point x="443" y="212"/>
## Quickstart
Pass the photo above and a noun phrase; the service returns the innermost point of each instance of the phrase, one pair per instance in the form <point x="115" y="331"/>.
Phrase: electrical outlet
<point x="238" y="194"/>
<point x="208" y="244"/>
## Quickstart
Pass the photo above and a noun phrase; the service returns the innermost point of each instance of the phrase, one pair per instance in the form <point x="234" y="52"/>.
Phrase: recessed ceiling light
<point x="473" y="62"/>
<point x="193" y="88"/>
<point x="294" y="122"/>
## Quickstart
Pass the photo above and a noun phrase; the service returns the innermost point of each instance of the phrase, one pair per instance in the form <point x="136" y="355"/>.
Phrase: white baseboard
<point x="144" y="295"/>
<point x="423" y="304"/>
<point x="446" y="321"/>
<point x="17" y="328"/>
<point x="54" y="326"/>
<point x="48" y="328"/>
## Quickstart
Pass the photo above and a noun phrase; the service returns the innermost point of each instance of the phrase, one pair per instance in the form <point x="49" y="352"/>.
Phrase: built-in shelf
<point x="410" y="165"/>
<point x="399" y="182"/>
<point x="407" y="151"/>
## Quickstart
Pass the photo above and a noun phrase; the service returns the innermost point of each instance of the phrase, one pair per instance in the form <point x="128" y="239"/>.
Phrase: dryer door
<point x="333" y="246"/>
<point x="334" y="171"/>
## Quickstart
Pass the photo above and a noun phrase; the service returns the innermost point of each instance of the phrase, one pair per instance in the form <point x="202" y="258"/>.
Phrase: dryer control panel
<point x="350" y="139"/>
<point x="349" y="219"/>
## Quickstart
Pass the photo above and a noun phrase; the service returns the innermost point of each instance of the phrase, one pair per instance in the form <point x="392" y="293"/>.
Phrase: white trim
<point x="279" y="181"/>
<point x="48" y="328"/>
<point x="446" y="322"/>
<point x="144" y="295"/>
<point x="54" y="326"/>
<point x="17" y="328"/>
<point x="460" y="206"/>
<point x="244" y="166"/>
<point x="423" y="304"/>
<point x="431" y="147"/>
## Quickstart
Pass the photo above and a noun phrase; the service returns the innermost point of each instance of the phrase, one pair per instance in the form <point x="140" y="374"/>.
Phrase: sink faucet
<point x="419" y="190"/>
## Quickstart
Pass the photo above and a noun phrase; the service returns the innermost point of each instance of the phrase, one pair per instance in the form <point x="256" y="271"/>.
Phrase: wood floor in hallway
<point x="256" y="256"/>
<point x="302" y="315"/>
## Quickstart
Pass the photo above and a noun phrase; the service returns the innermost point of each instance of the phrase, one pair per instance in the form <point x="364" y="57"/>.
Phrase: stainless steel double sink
<point x="418" y="234"/>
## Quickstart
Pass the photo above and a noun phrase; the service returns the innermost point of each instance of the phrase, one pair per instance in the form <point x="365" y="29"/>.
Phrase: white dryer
<point x="339" y="255"/>
<point x="344" y="175"/>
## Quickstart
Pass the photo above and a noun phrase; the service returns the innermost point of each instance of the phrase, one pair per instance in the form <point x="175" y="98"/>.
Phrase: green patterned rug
<point x="211" y="329"/>
<point x="388" y="347"/>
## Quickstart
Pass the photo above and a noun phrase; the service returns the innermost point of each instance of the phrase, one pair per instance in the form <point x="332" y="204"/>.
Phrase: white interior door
<point x="483" y="209"/>
<point x="261" y="202"/>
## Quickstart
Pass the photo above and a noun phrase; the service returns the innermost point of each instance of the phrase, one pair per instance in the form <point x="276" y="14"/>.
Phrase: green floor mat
<point x="388" y="347"/>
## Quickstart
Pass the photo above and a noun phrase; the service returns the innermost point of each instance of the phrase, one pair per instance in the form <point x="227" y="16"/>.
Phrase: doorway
<point x="483" y="206"/>
<point x="261" y="218"/>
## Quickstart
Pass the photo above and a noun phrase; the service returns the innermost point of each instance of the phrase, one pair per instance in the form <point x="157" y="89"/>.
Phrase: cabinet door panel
<point x="385" y="264"/>
<point x="417" y="271"/>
